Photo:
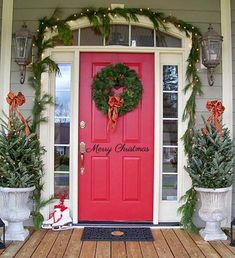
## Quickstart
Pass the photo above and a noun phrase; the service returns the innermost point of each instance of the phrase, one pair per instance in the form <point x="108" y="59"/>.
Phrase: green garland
<point x="100" y="19"/>
<point x="114" y="77"/>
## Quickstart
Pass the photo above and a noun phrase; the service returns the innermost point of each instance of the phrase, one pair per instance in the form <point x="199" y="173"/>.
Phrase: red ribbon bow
<point x="217" y="109"/>
<point x="114" y="103"/>
<point x="15" y="101"/>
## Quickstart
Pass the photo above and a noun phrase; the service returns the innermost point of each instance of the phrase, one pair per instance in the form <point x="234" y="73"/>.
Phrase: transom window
<point x="125" y="35"/>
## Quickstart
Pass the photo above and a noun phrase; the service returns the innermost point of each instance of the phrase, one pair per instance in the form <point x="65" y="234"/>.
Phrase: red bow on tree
<point x="15" y="101"/>
<point x="114" y="103"/>
<point x="217" y="109"/>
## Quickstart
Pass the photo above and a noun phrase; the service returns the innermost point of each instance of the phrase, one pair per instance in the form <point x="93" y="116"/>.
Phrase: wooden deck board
<point x="204" y="246"/>
<point x="60" y="244"/>
<point x="161" y="245"/>
<point x="221" y="249"/>
<point x="88" y="249"/>
<point x="29" y="247"/>
<point x="148" y="249"/>
<point x="46" y="244"/>
<point x="133" y="250"/>
<point x="168" y="243"/>
<point x="118" y="250"/>
<point x="192" y="249"/>
<point x="75" y="244"/>
<point x="12" y="249"/>
<point x="175" y="244"/>
<point x="103" y="249"/>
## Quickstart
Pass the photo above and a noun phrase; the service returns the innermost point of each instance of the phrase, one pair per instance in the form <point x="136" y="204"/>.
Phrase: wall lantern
<point x="211" y="43"/>
<point x="232" y="233"/>
<point x="2" y="243"/>
<point x="22" y="41"/>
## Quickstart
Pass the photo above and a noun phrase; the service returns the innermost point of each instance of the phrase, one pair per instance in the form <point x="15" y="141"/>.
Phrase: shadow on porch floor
<point x="168" y="243"/>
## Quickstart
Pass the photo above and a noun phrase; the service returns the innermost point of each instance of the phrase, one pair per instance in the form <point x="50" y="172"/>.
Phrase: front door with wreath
<point x="116" y="137"/>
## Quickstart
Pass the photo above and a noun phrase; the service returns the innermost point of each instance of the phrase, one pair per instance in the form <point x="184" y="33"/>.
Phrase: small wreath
<point x="116" y="90"/>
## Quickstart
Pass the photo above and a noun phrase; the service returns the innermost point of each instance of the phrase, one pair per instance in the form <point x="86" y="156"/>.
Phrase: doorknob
<point x="82" y="153"/>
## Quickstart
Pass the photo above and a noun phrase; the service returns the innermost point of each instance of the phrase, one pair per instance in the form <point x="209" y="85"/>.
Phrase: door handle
<point x="82" y="154"/>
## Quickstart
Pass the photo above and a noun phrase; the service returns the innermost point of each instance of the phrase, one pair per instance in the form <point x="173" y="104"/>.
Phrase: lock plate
<point x="82" y="124"/>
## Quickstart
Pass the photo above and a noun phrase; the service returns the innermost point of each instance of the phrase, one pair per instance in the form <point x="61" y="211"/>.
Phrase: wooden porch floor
<point x="168" y="243"/>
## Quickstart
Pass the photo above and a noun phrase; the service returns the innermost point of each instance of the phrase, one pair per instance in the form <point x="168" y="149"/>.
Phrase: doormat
<point x="117" y="234"/>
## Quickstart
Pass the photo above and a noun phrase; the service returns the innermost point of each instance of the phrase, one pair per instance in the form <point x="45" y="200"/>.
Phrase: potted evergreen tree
<point x="210" y="167"/>
<point x="20" y="168"/>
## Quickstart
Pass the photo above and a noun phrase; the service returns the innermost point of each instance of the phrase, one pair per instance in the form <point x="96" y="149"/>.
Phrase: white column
<point x="5" y="61"/>
<point x="227" y="83"/>
<point x="227" y="80"/>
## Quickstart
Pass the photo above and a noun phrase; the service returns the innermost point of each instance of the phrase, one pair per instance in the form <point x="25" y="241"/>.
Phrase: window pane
<point x="142" y="36"/>
<point x="119" y="35"/>
<point x="62" y="132"/>
<point x="63" y="80"/>
<point x="61" y="186"/>
<point x="169" y="187"/>
<point x="170" y="105"/>
<point x="166" y="40"/>
<point x="170" y="77"/>
<point x="170" y="134"/>
<point x="170" y="160"/>
<point x="62" y="104"/>
<point x="89" y="37"/>
<point x="61" y="158"/>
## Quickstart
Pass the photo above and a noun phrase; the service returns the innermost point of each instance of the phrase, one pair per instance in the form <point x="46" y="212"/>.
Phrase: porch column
<point x="227" y="83"/>
<point x="5" y="60"/>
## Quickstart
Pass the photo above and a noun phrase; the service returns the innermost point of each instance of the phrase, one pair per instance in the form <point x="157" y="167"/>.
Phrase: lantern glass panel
<point x="29" y="50"/>
<point x="214" y="50"/>
<point x="21" y="43"/>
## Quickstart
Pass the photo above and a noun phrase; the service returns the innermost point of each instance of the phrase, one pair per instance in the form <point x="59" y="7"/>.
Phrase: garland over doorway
<point x="100" y="19"/>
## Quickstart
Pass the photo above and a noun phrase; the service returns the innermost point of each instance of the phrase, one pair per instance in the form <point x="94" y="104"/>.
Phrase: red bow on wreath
<point x="114" y="103"/>
<point x="15" y="101"/>
<point x="217" y="109"/>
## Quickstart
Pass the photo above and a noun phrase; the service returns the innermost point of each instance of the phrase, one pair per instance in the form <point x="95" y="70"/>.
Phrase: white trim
<point x="227" y="79"/>
<point x="74" y="132"/>
<point x="60" y="54"/>
<point x="5" y="62"/>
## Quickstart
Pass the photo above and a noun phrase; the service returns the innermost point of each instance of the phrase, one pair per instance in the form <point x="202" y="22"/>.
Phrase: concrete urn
<point x="213" y="212"/>
<point x="15" y="210"/>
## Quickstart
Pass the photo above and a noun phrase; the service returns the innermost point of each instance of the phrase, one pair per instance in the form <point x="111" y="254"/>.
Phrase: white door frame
<point x="71" y="55"/>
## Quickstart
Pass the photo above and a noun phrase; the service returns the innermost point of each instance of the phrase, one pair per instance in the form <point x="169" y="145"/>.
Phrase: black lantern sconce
<point x="3" y="243"/>
<point x="211" y="43"/>
<point x="22" y="41"/>
<point x="232" y="233"/>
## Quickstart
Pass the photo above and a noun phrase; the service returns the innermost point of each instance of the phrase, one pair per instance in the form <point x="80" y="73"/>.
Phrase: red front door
<point x="117" y="184"/>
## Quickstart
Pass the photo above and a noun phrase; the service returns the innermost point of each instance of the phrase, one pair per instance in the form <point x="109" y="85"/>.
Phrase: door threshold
<point x="125" y="224"/>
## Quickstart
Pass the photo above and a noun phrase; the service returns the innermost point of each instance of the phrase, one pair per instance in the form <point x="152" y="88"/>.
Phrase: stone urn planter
<point x="213" y="212"/>
<point x="15" y="210"/>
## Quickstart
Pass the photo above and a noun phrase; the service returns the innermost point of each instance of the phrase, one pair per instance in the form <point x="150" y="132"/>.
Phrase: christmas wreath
<point x="116" y="90"/>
